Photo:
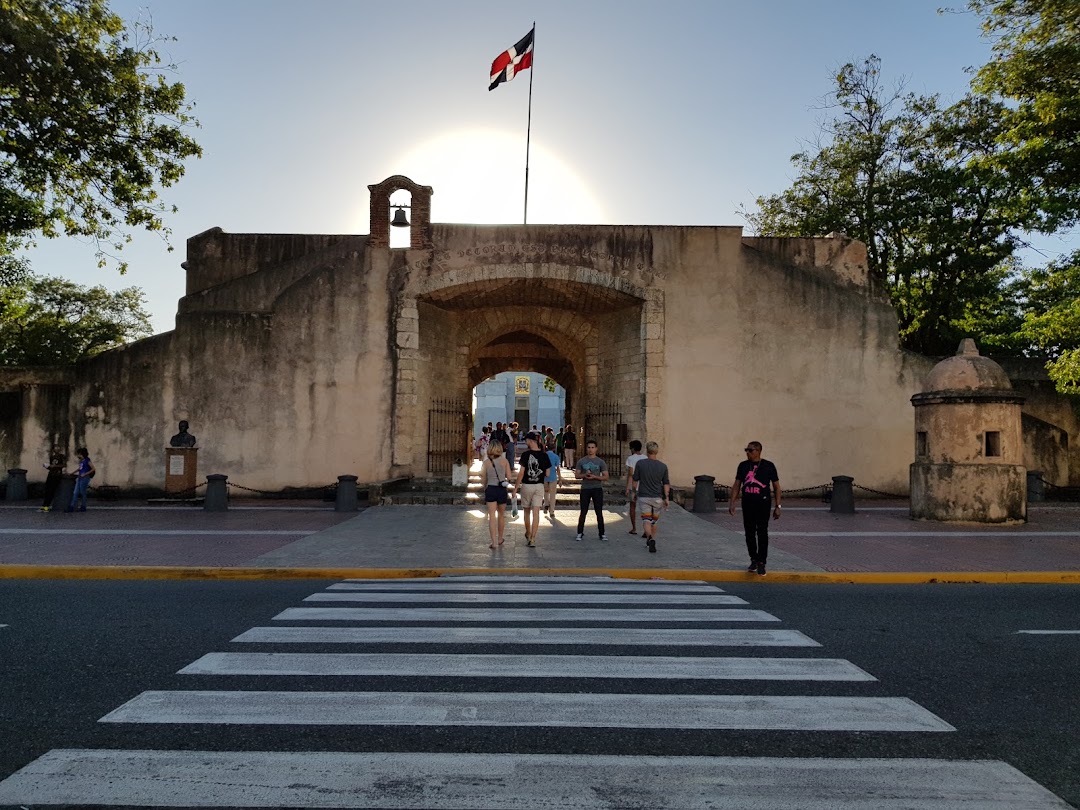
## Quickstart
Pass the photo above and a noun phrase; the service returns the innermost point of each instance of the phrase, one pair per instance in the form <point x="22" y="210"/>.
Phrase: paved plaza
<point x="276" y="537"/>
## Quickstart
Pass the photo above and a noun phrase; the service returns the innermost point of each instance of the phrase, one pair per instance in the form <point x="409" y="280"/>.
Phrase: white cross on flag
<point x="511" y="62"/>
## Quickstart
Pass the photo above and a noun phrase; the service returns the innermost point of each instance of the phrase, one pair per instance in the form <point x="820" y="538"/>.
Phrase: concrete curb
<point x="790" y="577"/>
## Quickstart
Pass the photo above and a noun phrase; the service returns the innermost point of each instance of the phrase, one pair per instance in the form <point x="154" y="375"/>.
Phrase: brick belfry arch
<point x="545" y="303"/>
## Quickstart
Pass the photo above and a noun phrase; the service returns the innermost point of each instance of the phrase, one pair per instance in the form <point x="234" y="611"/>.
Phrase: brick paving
<point x="881" y="537"/>
<point x="272" y="534"/>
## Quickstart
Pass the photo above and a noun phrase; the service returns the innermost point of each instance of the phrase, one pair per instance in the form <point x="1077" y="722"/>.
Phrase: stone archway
<point x="593" y="332"/>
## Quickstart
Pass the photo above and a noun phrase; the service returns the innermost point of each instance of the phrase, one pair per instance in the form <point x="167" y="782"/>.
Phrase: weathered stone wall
<point x="1044" y="403"/>
<point x="1046" y="450"/>
<point x="215" y="257"/>
<point x="970" y="493"/>
<point x="801" y="357"/>
<point x="299" y="358"/>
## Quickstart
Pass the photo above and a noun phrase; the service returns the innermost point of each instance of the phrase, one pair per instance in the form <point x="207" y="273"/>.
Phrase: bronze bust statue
<point x="183" y="438"/>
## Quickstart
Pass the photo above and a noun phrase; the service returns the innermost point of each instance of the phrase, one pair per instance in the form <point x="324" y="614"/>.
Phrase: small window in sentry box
<point x="992" y="444"/>
<point x="922" y="448"/>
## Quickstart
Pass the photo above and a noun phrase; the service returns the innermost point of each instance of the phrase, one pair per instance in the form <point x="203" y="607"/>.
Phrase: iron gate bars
<point x="603" y="425"/>
<point x="448" y="435"/>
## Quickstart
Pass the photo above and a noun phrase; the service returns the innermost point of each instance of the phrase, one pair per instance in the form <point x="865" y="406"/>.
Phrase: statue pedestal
<point x="181" y="468"/>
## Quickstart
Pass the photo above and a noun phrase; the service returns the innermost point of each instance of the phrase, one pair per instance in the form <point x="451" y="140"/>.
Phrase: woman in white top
<point x="631" y="494"/>
<point x="495" y="472"/>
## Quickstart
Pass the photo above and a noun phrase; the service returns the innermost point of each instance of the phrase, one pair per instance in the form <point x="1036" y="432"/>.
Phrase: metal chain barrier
<point x="820" y="487"/>
<point x="321" y="492"/>
<point x="1061" y="493"/>
<point x="879" y="492"/>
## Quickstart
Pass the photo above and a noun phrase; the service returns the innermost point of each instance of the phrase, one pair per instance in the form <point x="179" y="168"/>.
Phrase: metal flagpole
<point x="528" y="128"/>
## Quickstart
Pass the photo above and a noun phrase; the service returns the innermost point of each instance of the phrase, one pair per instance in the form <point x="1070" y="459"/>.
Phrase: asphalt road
<point x="74" y="651"/>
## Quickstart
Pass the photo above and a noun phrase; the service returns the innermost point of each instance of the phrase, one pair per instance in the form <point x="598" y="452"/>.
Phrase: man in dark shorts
<point x="753" y="481"/>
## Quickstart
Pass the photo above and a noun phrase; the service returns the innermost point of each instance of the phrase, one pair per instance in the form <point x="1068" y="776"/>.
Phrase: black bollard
<point x="843" y="496"/>
<point x="1036" y="486"/>
<point x="16" y="485"/>
<point x="704" y="493"/>
<point x="217" y="494"/>
<point x="345" y="500"/>
<point x="62" y="499"/>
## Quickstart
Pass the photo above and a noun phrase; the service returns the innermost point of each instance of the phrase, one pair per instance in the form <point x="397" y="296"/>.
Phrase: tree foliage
<point x="900" y="173"/>
<point x="1035" y="70"/>
<point x="51" y="321"/>
<point x="90" y="127"/>
<point x="1052" y="318"/>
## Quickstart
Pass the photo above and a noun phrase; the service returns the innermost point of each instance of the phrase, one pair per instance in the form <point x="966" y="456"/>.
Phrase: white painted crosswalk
<point x="535" y="599"/>
<point x="532" y="709"/>
<point x="527" y="666"/>
<point x="502" y="636"/>
<point x="516" y="614"/>
<point x="421" y="781"/>
<point x="648" y="586"/>
<point x="499" y="627"/>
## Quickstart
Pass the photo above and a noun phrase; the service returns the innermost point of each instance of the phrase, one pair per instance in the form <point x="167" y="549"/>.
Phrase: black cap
<point x="532" y="434"/>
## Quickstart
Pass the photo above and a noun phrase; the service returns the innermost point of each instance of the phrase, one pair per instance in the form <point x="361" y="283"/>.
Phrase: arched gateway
<point x="465" y="314"/>
<point x="297" y="358"/>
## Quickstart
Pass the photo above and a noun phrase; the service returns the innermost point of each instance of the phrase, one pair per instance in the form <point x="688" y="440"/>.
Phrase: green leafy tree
<point x="90" y="127"/>
<point x="1052" y="319"/>
<point x="1035" y="70"/>
<point x="902" y="174"/>
<point x="51" y="321"/>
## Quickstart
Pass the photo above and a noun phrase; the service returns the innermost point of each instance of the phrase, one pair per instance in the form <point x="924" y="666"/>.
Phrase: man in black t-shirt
<point x="753" y="480"/>
<point x="530" y="484"/>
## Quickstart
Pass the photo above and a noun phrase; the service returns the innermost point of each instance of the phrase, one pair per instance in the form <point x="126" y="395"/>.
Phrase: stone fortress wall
<point x="297" y="358"/>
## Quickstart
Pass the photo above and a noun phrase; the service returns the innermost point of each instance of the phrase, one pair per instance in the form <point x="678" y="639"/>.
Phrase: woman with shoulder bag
<point x="496" y="476"/>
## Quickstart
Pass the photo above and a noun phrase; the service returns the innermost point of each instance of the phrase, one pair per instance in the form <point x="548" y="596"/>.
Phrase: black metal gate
<point x="604" y="426"/>
<point x="448" y="435"/>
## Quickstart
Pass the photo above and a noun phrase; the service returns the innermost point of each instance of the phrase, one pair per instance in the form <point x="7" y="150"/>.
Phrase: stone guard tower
<point x="968" y="443"/>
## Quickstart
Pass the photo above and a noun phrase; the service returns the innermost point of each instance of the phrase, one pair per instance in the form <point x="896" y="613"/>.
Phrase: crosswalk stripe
<point x="591" y="636"/>
<point x="496" y="578"/>
<point x="539" y="614"/>
<point x="407" y="781"/>
<point x="491" y="598"/>
<point x="592" y="710"/>
<point x="449" y="586"/>
<point x="527" y="666"/>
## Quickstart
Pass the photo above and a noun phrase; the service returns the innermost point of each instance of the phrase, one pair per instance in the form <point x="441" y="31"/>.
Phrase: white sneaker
<point x="579" y="537"/>
<point x="603" y="538"/>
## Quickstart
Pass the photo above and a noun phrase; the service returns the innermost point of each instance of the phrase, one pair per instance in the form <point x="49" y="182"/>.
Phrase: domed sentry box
<point x="968" y="448"/>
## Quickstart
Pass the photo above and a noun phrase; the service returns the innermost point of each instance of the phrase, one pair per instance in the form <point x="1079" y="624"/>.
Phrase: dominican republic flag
<point x="509" y="63"/>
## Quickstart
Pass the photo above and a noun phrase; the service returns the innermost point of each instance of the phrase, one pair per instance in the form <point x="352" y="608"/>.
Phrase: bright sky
<point x="670" y="113"/>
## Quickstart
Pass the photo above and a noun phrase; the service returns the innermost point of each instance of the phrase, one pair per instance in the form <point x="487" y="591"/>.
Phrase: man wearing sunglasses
<point x="753" y="481"/>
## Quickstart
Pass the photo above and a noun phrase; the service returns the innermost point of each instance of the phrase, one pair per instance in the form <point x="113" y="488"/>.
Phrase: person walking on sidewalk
<point x="551" y="481"/>
<point x="83" y="474"/>
<point x="532" y="468"/>
<point x="653" y="489"/>
<point x="592" y="471"/>
<point x="57" y="460"/>
<point x="569" y="445"/>
<point x="753" y="480"/>
<point x="495" y="473"/>
<point x="631" y="493"/>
